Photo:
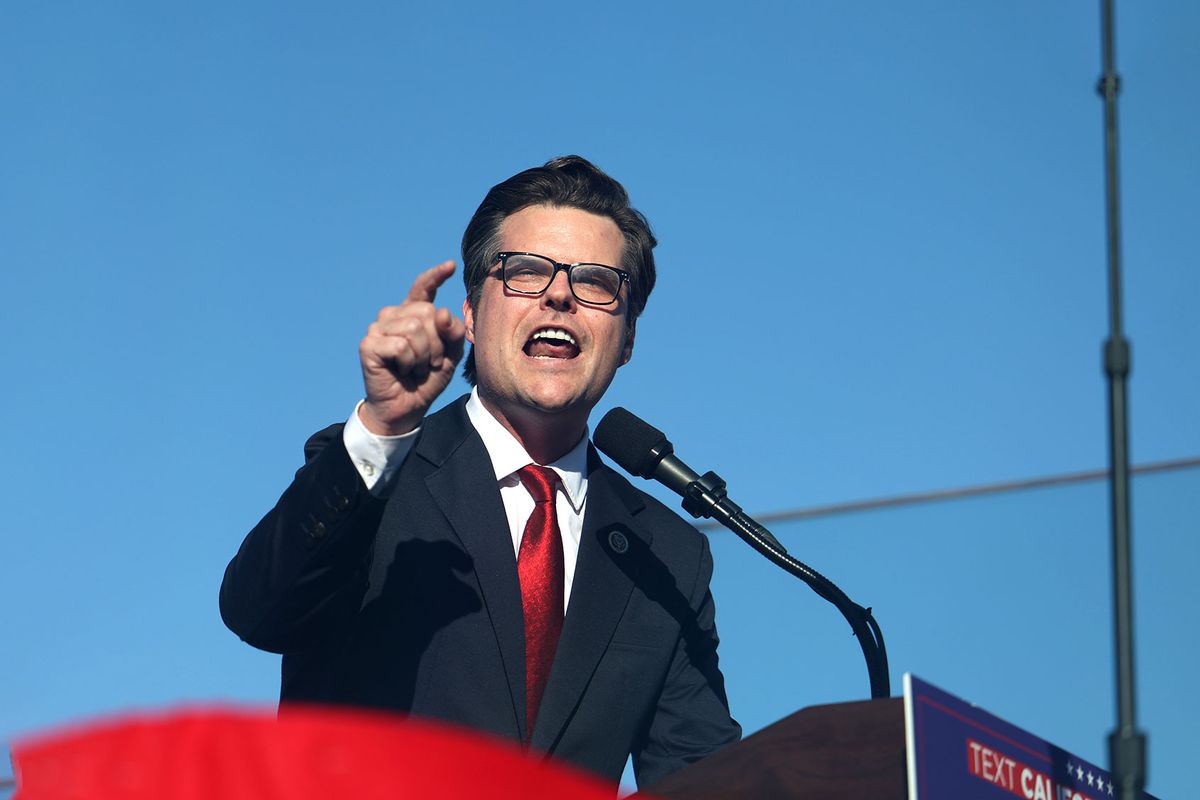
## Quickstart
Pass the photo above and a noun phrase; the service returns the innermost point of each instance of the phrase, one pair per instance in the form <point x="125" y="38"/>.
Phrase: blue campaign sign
<point x="957" y="751"/>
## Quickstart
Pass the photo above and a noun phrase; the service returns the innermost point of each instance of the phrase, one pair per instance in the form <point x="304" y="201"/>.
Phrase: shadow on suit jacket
<point x="412" y="604"/>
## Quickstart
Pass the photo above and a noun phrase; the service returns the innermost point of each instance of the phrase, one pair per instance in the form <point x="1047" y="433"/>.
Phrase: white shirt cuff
<point x="375" y="457"/>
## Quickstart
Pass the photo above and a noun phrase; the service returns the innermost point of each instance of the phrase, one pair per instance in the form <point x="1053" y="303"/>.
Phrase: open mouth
<point x="551" y="343"/>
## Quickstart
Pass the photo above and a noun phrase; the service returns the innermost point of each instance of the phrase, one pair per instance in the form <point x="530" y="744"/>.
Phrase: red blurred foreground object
<point x="305" y="753"/>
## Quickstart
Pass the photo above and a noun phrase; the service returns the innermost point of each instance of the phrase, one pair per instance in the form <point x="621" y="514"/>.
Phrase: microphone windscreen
<point x="631" y="442"/>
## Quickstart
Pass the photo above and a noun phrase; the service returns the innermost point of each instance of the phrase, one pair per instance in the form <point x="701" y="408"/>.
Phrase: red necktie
<point x="541" y="571"/>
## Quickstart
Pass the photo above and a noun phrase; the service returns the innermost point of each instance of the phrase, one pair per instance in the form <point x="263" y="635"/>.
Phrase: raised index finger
<point x="425" y="287"/>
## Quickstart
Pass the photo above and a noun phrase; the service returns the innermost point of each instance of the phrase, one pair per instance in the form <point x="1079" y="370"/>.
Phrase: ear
<point x="627" y="353"/>
<point x="469" y="320"/>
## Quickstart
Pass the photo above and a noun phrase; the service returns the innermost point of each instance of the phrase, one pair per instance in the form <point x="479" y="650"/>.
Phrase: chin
<point x="551" y="397"/>
<point x="554" y="403"/>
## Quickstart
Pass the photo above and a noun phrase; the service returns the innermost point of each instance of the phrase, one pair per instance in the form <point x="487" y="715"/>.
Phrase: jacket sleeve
<point x="302" y="569"/>
<point x="691" y="719"/>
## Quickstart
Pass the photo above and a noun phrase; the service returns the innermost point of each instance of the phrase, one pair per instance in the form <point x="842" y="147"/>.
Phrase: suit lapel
<point x="464" y="487"/>
<point x="599" y="595"/>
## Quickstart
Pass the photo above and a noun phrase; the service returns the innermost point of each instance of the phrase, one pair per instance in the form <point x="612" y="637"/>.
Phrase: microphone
<point x="642" y="449"/>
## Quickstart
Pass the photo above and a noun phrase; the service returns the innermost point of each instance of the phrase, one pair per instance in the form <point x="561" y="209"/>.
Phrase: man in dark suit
<point x="480" y="565"/>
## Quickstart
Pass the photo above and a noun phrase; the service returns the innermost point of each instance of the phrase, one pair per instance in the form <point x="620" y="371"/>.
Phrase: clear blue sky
<point x="881" y="270"/>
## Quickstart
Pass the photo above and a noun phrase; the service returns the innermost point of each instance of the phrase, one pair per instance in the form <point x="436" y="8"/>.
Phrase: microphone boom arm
<point x="705" y="496"/>
<point x="643" y="450"/>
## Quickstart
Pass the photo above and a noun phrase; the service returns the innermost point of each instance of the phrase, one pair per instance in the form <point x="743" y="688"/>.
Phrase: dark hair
<point x="566" y="181"/>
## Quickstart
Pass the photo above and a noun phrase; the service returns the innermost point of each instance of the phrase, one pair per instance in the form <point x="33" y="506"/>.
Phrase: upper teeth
<point x="555" y="333"/>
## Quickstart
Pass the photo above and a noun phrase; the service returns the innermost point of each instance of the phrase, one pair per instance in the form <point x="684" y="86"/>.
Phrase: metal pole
<point x="1126" y="745"/>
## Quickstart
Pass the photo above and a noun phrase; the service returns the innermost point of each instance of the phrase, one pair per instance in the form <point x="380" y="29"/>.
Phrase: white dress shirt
<point x="377" y="458"/>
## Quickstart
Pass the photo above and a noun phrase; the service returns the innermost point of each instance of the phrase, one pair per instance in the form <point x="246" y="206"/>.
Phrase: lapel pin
<point x="617" y="541"/>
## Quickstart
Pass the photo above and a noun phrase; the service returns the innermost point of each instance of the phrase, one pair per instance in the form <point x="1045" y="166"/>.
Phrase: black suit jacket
<point x="413" y="604"/>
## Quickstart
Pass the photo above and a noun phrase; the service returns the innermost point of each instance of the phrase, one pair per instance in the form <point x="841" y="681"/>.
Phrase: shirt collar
<point x="508" y="455"/>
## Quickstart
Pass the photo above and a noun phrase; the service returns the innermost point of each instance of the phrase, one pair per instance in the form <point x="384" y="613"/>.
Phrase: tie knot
<point x="540" y="482"/>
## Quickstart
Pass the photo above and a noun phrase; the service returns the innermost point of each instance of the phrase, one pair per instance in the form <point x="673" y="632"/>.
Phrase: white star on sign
<point x="1091" y="779"/>
<point x="1079" y="773"/>
<point x="1110" y="787"/>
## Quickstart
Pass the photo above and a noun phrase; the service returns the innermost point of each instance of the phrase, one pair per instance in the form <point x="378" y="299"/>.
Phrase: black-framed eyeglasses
<point x="529" y="273"/>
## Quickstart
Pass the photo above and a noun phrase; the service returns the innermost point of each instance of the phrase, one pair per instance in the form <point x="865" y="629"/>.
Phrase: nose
<point x="558" y="293"/>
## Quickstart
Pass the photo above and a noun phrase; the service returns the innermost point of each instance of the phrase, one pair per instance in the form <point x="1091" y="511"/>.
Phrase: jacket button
<point x="317" y="531"/>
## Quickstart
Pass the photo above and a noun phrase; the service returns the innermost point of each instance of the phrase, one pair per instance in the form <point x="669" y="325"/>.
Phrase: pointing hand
<point x="409" y="355"/>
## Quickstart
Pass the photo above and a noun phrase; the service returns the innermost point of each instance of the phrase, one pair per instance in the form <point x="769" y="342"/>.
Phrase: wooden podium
<point x="847" y="751"/>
